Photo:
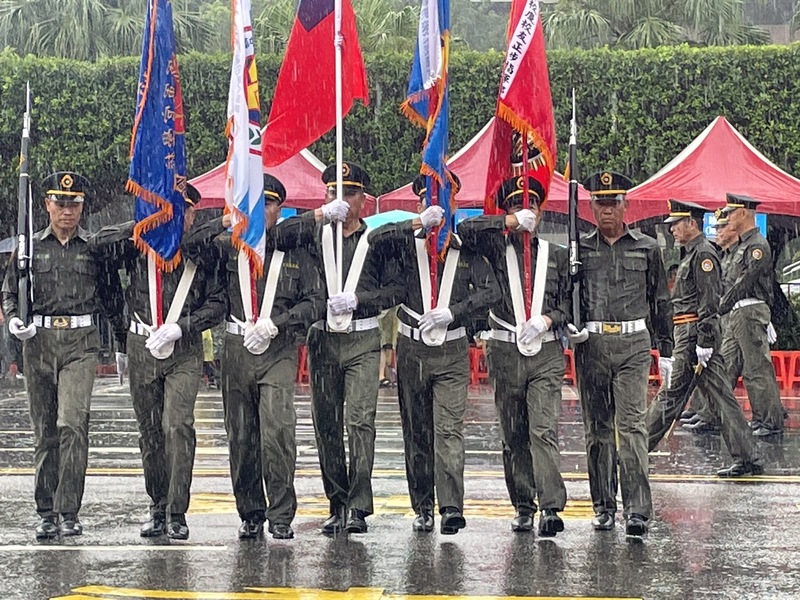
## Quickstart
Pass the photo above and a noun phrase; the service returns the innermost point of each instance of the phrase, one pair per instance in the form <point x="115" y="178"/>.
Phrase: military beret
<point x="735" y="201"/>
<point x="420" y="184"/>
<point x="608" y="183"/>
<point x="273" y="189"/>
<point x="354" y="177"/>
<point x="681" y="210"/>
<point x="510" y="193"/>
<point x="66" y="186"/>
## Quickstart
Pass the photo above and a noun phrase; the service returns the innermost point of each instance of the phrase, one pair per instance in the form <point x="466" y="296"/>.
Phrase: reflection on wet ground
<point x="709" y="539"/>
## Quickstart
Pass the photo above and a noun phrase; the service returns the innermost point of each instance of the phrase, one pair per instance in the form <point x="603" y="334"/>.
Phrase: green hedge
<point x="637" y="109"/>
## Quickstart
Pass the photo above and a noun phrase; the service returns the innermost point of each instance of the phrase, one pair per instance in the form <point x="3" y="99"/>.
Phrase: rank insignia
<point x="707" y="265"/>
<point x="758" y="254"/>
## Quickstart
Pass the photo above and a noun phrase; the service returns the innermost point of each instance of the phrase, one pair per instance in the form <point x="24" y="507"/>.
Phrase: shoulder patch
<point x="707" y="265"/>
<point x="758" y="254"/>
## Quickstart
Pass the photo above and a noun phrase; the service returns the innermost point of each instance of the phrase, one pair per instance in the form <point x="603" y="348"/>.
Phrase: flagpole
<point x="338" y="42"/>
<point x="526" y="236"/>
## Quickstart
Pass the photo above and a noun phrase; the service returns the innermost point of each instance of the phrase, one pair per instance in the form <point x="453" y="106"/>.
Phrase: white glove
<point x="665" y="369"/>
<point x="431" y="217"/>
<point x="262" y="332"/>
<point x="576" y="337"/>
<point x="436" y="318"/>
<point x="335" y="211"/>
<point x="168" y="332"/>
<point x="341" y="304"/>
<point x="526" y="219"/>
<point x="533" y="328"/>
<point x="122" y="362"/>
<point x="703" y="355"/>
<point x="772" y="335"/>
<point x="17" y="328"/>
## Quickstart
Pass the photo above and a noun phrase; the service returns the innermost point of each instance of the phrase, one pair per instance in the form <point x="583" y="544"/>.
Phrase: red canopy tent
<point x="301" y="175"/>
<point x="469" y="164"/>
<point x="717" y="161"/>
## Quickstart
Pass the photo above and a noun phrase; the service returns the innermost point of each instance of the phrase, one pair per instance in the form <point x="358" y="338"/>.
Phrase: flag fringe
<point x="163" y="215"/>
<point x="256" y="261"/>
<point x="510" y="117"/>
<point x="412" y="115"/>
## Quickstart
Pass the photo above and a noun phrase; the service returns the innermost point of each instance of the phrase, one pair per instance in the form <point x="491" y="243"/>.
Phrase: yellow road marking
<point x="271" y="593"/>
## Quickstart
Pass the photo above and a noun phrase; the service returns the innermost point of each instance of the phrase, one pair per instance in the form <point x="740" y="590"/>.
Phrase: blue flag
<point x="428" y="105"/>
<point x="158" y="157"/>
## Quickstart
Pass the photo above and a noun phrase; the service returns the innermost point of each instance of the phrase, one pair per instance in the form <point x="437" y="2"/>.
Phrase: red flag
<point x="304" y="105"/>
<point x="524" y="105"/>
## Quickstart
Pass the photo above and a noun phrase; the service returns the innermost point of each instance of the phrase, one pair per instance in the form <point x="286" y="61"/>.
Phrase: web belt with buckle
<point x="503" y="335"/>
<point x="616" y="327"/>
<point x="72" y="322"/>
<point x="355" y="325"/>
<point x="746" y="302"/>
<point x="416" y="335"/>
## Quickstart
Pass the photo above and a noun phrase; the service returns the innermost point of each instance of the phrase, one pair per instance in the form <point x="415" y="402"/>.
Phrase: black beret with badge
<point x="511" y="192"/>
<point x="354" y="177"/>
<point x="679" y="209"/>
<point x="66" y="186"/>
<point x="420" y="184"/>
<point x="608" y="183"/>
<point x="273" y="189"/>
<point x="736" y="201"/>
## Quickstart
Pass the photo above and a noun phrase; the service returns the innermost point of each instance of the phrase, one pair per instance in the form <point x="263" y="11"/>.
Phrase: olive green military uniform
<point x="432" y="380"/>
<point x="258" y="390"/>
<point x="746" y="307"/>
<point x="623" y="285"/>
<point x="60" y="361"/>
<point x="164" y="391"/>
<point x="344" y="369"/>
<point x="695" y="302"/>
<point x="527" y="388"/>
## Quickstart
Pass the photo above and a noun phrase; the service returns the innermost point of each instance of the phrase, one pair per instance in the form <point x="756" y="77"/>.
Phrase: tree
<point x="649" y="23"/>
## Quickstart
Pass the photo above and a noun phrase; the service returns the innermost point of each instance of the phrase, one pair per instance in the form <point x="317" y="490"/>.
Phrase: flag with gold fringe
<point x="427" y="104"/>
<point x="525" y="122"/>
<point x="157" y="174"/>
<point x="244" y="192"/>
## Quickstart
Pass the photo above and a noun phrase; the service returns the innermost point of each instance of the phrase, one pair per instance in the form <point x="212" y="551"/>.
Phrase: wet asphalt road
<point x="709" y="539"/>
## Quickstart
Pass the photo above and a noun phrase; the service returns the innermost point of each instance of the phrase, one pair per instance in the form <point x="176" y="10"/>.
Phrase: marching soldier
<point x="344" y="349"/>
<point x="166" y="363"/>
<point x="695" y="303"/>
<point x="259" y="363"/>
<point x="526" y="360"/>
<point x="702" y="419"/>
<point x="623" y="283"/>
<point x="432" y="359"/>
<point x="746" y="303"/>
<point x="60" y="349"/>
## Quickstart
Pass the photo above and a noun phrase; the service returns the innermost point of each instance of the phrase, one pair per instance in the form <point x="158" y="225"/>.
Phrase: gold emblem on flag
<point x="707" y="265"/>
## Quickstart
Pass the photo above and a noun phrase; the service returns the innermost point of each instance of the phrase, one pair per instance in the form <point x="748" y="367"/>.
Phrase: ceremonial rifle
<point x="574" y="239"/>
<point x="24" y="218"/>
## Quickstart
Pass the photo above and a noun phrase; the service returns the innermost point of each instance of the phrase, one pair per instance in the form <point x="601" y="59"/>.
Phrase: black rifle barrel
<point x="24" y="242"/>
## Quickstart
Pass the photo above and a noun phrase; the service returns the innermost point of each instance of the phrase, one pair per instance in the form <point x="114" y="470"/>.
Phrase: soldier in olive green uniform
<point x="746" y="303"/>
<point x="166" y="363"/>
<point x="344" y="349"/>
<point x="695" y="302"/>
<point x="623" y="283"/>
<point x="527" y="379"/>
<point x="60" y="347"/>
<point x="432" y="359"/>
<point x="259" y="364"/>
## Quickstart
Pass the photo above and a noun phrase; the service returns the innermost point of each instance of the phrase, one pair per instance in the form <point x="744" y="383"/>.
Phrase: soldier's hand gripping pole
<point x="24" y="218"/>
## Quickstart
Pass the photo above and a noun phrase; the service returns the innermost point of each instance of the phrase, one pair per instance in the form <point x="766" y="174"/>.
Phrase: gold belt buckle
<point x="59" y="322"/>
<point x="612" y="328"/>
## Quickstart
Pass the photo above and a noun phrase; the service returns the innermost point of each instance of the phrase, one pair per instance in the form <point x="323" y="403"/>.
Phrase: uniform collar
<point x="80" y="233"/>
<point x="748" y="234"/>
<point x="695" y="241"/>
<point x="595" y="235"/>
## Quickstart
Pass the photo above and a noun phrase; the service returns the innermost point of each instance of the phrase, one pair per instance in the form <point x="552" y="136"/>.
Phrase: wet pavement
<point x="709" y="538"/>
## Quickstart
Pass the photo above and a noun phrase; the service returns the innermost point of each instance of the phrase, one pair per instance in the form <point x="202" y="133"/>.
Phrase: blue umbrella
<point x="392" y="216"/>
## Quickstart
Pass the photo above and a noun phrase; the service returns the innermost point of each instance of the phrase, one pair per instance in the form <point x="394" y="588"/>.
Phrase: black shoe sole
<point x="551" y="528"/>
<point x="527" y="528"/>
<point x="43" y="537"/>
<point x="283" y="536"/>
<point x="70" y="533"/>
<point x="453" y="526"/>
<point x="153" y="533"/>
<point x="637" y="531"/>
<point x="356" y="529"/>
